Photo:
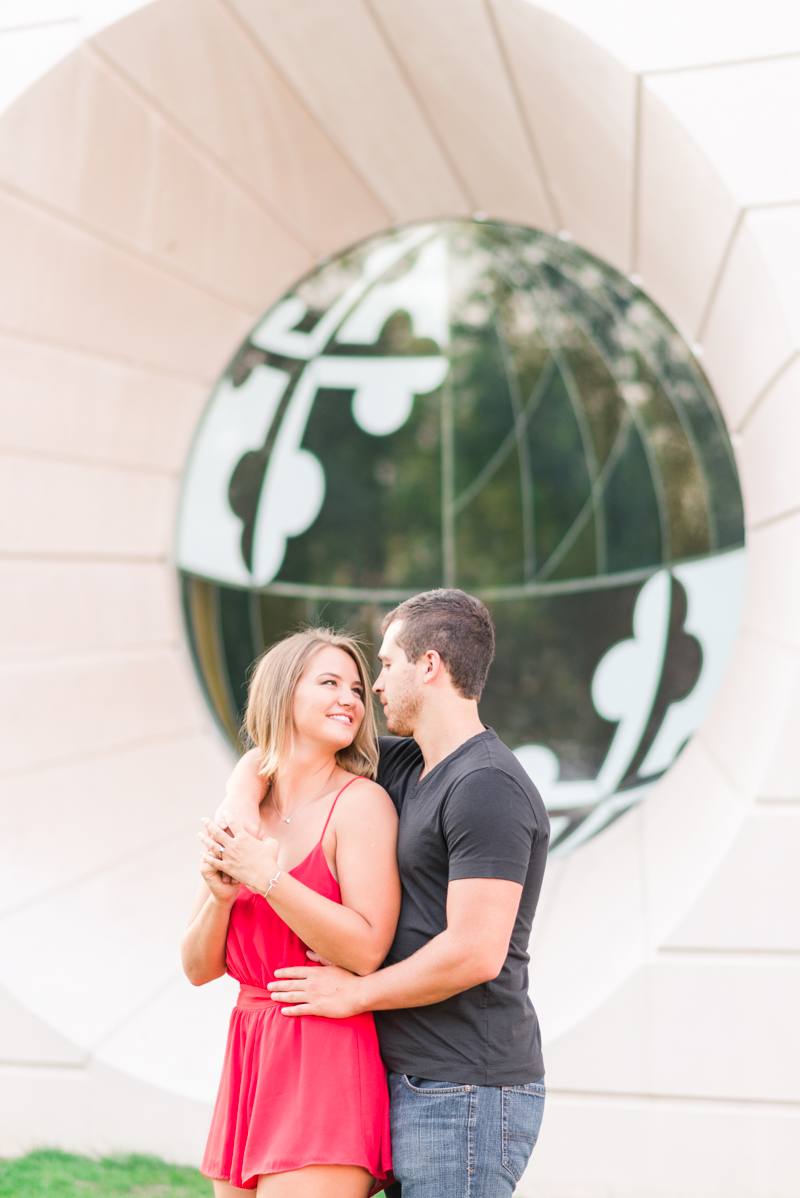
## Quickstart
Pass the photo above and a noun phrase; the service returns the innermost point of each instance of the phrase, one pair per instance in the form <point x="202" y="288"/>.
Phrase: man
<point x="457" y="1029"/>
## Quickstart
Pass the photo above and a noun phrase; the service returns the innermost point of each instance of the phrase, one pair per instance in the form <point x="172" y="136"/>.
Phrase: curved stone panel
<point x="129" y="279"/>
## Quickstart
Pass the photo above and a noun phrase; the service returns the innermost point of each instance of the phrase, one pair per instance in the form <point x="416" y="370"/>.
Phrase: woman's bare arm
<point x="357" y="933"/>
<point x="203" y="942"/>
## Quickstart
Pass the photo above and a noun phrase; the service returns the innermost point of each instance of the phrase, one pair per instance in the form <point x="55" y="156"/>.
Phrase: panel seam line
<point x="261" y="50"/>
<point x="102" y="752"/>
<point x="120" y="246"/>
<point x="721" y="66"/>
<point x="201" y="152"/>
<point x="774" y="378"/>
<point x="511" y="79"/>
<point x="29" y="338"/>
<point x="48" y="455"/>
<point x="422" y="108"/>
<point x="636" y="170"/>
<point x="719" y="274"/>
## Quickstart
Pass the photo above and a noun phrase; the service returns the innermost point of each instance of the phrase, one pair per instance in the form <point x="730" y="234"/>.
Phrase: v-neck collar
<point x="421" y="781"/>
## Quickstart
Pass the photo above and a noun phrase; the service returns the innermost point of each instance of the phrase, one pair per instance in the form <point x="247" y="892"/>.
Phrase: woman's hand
<point x="223" y="889"/>
<point x="242" y="856"/>
<point x="204" y="943"/>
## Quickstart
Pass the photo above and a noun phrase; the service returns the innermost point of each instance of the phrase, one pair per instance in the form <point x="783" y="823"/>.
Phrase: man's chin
<point x="398" y="727"/>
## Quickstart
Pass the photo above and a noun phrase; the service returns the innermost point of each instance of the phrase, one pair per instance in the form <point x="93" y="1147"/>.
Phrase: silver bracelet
<point x="272" y="882"/>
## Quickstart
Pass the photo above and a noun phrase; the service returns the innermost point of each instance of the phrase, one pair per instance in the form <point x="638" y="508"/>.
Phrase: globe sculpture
<point x="484" y="406"/>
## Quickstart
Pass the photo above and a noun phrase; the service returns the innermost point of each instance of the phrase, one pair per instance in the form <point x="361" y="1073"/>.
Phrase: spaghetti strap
<point x="333" y="804"/>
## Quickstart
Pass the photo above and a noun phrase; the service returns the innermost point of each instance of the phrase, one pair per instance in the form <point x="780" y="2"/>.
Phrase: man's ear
<point x="432" y="666"/>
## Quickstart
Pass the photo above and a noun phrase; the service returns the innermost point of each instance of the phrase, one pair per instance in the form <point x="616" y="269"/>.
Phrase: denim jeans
<point x="454" y="1141"/>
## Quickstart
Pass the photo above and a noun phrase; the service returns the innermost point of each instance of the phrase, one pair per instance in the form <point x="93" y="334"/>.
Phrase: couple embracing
<point x="374" y="899"/>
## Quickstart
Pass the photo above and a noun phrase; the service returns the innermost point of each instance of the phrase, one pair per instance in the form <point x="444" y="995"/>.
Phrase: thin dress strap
<point x="333" y="804"/>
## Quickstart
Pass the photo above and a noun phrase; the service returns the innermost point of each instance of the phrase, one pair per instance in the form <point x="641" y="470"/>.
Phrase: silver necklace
<point x="288" y="819"/>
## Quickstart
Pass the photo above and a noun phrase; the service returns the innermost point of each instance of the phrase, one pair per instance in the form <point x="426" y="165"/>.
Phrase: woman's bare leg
<point x="224" y="1189"/>
<point x="314" y="1181"/>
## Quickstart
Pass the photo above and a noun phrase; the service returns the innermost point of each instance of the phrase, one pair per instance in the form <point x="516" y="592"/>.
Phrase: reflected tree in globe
<point x="484" y="406"/>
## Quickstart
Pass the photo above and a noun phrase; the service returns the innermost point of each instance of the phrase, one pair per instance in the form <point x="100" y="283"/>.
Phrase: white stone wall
<point x="164" y="175"/>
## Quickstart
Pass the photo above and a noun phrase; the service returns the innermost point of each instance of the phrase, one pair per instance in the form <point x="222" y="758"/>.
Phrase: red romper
<point x="295" y="1090"/>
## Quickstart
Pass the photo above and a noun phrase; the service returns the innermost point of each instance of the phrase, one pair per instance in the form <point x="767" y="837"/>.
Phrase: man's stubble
<point x="405" y="706"/>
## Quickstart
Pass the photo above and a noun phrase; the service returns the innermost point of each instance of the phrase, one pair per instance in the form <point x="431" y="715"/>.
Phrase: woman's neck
<point x="303" y="773"/>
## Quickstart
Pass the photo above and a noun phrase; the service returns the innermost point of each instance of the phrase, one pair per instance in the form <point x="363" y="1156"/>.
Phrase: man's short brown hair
<point x="457" y="625"/>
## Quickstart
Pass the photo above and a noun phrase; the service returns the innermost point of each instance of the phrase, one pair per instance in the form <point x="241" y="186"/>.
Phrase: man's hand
<point x="470" y="951"/>
<point x="330" y="992"/>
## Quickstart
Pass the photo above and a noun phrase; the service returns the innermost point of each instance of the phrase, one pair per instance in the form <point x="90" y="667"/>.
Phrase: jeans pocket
<point x="433" y="1134"/>
<point x="421" y="1085"/>
<point x="523" y="1108"/>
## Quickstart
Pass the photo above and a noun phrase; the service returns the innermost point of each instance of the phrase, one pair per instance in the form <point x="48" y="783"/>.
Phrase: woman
<point x="302" y="1108"/>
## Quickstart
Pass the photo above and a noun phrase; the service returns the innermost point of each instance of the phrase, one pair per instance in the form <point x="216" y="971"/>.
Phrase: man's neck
<point x="440" y="732"/>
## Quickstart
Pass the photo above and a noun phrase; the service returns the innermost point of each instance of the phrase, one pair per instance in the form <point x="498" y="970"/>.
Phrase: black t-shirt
<point x="475" y="815"/>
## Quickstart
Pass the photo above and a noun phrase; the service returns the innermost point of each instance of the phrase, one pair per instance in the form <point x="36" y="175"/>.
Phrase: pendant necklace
<point x="288" y="819"/>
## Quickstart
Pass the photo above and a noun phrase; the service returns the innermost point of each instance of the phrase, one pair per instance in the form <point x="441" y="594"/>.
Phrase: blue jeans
<point x="453" y="1141"/>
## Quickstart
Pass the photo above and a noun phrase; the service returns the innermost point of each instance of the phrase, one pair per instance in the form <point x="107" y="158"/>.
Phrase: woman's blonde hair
<point x="268" y="719"/>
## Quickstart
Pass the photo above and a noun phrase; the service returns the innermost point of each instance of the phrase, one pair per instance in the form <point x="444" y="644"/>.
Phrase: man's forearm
<point x="444" y="966"/>
<point x="245" y="790"/>
<point x="471" y="950"/>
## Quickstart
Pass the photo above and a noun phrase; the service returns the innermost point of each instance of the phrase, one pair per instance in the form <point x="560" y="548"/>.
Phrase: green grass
<point x="50" y="1174"/>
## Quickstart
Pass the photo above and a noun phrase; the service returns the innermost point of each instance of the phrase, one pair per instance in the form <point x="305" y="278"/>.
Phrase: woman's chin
<point x="344" y="741"/>
<point x="335" y="738"/>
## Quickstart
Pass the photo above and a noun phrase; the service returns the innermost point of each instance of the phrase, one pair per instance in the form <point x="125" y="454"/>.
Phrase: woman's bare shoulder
<point x="365" y="795"/>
